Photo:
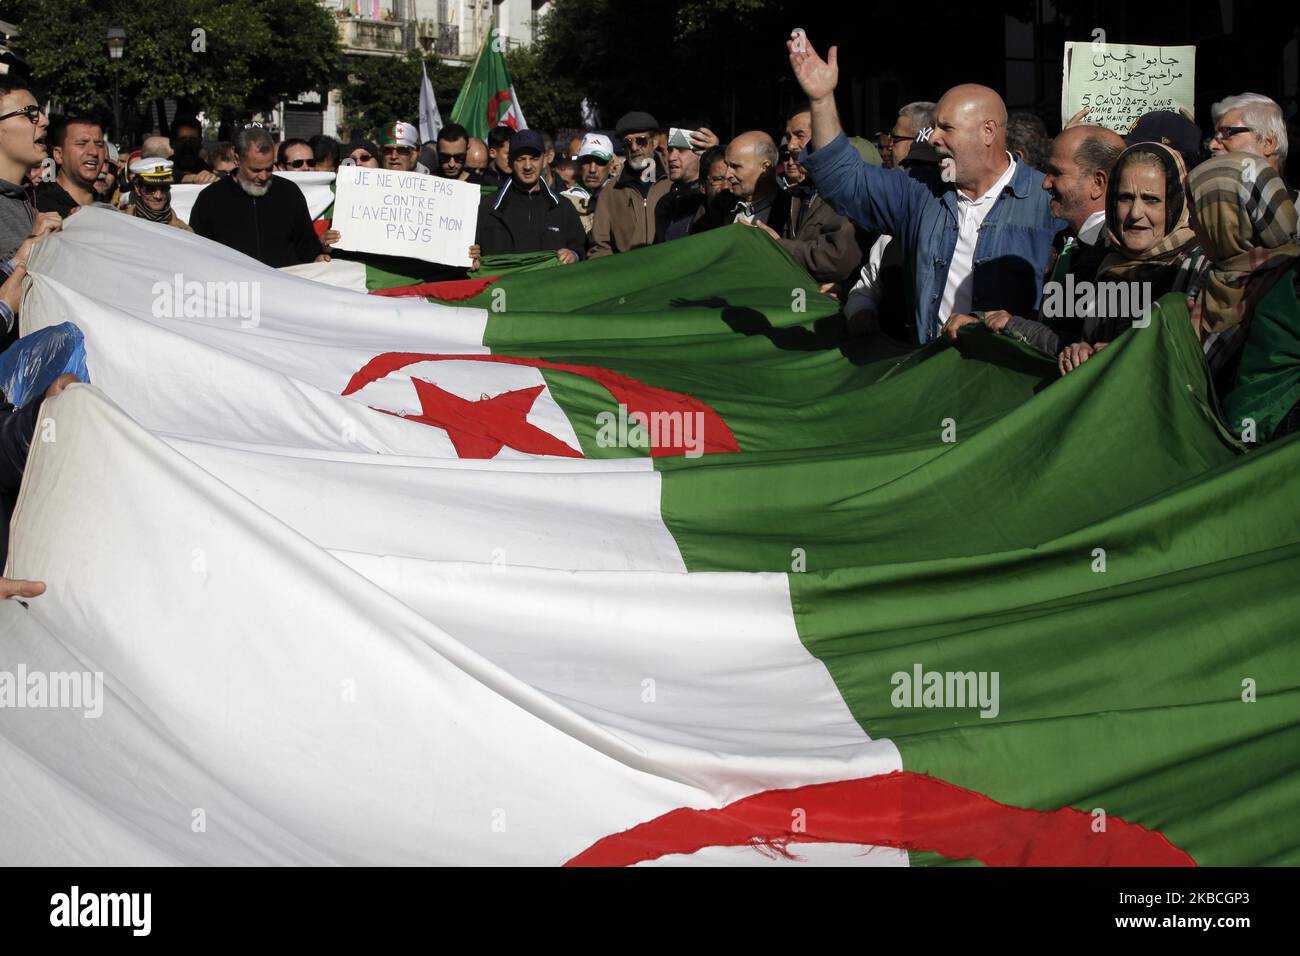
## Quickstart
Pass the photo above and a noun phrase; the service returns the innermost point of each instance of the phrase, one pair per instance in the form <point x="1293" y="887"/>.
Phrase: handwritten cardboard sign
<point x="405" y="214"/>
<point x="1121" y="81"/>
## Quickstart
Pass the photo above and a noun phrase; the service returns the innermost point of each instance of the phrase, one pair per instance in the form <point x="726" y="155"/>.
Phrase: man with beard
<point x="151" y="192"/>
<point x="678" y="209"/>
<point x="625" y="216"/>
<point x="79" y="152"/>
<point x="944" y="247"/>
<point x="256" y="212"/>
<point x="1078" y="174"/>
<point x="594" y="155"/>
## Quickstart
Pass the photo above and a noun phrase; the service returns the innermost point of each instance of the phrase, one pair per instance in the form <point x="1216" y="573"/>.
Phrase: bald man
<point x="1078" y="174"/>
<point x="815" y="236"/>
<point x="977" y="241"/>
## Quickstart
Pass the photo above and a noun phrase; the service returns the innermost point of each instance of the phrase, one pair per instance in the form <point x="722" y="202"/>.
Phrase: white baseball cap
<point x="598" y="145"/>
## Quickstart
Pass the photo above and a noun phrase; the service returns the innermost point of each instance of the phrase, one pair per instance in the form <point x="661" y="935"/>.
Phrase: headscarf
<point x="1246" y="224"/>
<point x="1120" y="262"/>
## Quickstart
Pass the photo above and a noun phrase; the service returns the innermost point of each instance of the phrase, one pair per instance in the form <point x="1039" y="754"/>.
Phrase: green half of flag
<point x="1096" y="550"/>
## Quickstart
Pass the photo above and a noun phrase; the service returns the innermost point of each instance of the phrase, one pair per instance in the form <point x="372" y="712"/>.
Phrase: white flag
<point x="430" y="118"/>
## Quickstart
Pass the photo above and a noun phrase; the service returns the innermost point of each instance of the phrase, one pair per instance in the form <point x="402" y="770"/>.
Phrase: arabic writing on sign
<point x="1120" y="82"/>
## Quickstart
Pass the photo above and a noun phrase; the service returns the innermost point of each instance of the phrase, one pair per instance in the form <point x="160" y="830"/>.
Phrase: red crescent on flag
<point x="906" y="810"/>
<point x="494" y="117"/>
<point x="637" y="396"/>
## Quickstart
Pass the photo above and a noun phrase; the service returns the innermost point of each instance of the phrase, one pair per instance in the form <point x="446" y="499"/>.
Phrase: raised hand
<point x="817" y="77"/>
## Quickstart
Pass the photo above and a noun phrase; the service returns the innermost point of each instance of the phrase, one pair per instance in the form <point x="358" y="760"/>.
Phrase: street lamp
<point x="116" y="46"/>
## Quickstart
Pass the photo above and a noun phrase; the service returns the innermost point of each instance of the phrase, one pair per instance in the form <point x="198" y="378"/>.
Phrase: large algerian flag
<point x="488" y="98"/>
<point x="367" y="581"/>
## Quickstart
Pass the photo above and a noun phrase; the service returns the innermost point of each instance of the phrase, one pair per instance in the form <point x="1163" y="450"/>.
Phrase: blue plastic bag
<point x="30" y="365"/>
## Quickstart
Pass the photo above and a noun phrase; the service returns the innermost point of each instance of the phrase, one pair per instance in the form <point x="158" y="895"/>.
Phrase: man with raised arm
<point x="979" y="239"/>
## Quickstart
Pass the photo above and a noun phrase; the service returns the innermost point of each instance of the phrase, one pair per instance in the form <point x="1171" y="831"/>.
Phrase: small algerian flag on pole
<point x="430" y="118"/>
<point x="488" y="97"/>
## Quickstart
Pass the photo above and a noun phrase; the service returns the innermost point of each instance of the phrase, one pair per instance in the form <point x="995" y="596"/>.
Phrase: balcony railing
<point x="363" y="35"/>
<point x="448" y="41"/>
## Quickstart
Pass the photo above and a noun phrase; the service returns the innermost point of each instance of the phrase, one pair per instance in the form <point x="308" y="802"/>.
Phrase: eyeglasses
<point x="398" y="150"/>
<point x="147" y="187"/>
<point x="1227" y="132"/>
<point x="636" y="142"/>
<point x="361" y="157"/>
<point x="33" y="113"/>
<point x="300" y="163"/>
<point x="451" y="157"/>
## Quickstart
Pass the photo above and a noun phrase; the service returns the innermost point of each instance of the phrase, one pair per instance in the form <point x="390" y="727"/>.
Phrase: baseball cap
<point x="634" y="122"/>
<point x="598" y="145"/>
<point x="526" y="140"/>
<point x="400" y="134"/>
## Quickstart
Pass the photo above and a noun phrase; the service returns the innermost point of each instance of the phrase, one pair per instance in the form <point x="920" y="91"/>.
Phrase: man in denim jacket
<point x="977" y="239"/>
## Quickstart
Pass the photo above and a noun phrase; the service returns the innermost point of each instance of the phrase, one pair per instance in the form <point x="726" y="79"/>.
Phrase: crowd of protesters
<point x="962" y="215"/>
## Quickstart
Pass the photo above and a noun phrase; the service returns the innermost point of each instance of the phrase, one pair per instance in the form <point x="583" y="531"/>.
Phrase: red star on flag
<point x="479" y="429"/>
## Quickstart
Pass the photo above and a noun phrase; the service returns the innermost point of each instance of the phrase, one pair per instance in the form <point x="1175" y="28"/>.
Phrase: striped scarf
<point x="1246" y="223"/>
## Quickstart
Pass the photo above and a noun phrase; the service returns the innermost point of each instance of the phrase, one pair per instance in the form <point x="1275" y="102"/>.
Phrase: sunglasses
<point x="361" y="157"/>
<point x="1224" y="132"/>
<point x="452" y="157"/>
<point x="33" y="113"/>
<point x="147" y="187"/>
<point x="300" y="163"/>
<point x="636" y="142"/>
<point x="398" y="150"/>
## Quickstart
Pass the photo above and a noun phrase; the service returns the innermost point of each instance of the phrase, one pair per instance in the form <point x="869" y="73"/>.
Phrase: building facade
<point x="453" y="29"/>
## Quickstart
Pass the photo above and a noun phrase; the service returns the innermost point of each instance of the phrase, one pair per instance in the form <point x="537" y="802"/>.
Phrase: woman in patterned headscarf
<point x="1149" y="235"/>
<point x="1247" y="313"/>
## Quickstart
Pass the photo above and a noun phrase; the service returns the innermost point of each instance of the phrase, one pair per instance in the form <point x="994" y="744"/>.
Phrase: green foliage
<point x="247" y="55"/>
<point x="381" y="89"/>
<point x="549" y="101"/>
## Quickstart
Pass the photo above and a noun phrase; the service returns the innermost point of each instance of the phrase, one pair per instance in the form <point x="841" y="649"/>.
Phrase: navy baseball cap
<point x="526" y="141"/>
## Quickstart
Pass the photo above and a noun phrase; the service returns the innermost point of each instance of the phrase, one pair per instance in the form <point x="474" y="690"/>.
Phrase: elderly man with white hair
<point x="1250" y="123"/>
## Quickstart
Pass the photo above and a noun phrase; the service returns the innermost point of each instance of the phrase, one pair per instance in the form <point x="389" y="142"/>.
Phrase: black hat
<point x="634" y="122"/>
<point x="921" y="152"/>
<point x="1172" y="129"/>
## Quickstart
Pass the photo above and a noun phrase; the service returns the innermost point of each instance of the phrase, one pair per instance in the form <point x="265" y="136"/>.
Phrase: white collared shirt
<point x="958" y="292"/>
<point x="1091" y="230"/>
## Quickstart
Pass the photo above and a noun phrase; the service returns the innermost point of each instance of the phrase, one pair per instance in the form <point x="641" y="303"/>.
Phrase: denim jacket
<point x="1011" y="252"/>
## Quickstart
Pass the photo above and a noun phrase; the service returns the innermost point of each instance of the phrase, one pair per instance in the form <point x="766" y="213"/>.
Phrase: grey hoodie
<point x="16" y="215"/>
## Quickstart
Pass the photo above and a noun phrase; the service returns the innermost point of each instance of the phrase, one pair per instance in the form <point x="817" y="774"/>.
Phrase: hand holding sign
<point x="397" y="213"/>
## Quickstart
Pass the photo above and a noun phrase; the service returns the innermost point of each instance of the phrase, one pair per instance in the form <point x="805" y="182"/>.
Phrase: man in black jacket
<point x="256" y="212"/>
<point x="525" y="215"/>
